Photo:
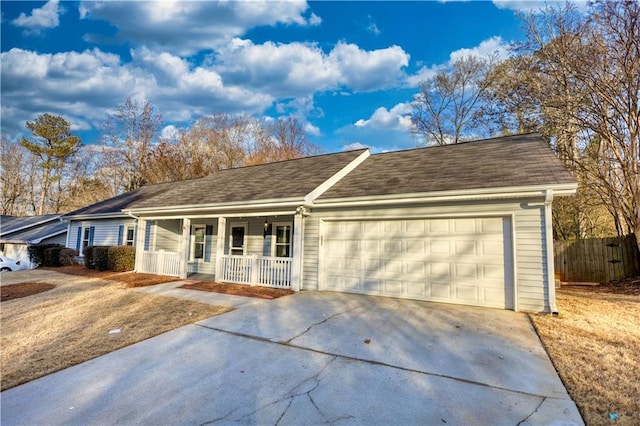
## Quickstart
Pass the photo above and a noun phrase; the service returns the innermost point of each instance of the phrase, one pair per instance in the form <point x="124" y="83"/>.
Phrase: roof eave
<point x="457" y="195"/>
<point x="93" y="216"/>
<point x="213" y="207"/>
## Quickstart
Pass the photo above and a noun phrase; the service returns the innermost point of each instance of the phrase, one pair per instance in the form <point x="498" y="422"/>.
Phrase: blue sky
<point x="347" y="70"/>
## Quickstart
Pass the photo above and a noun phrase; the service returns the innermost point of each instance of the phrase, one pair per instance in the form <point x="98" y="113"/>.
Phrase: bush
<point x="87" y="252"/>
<point x="68" y="256"/>
<point x="121" y="258"/>
<point x="52" y="256"/>
<point x="37" y="254"/>
<point x="101" y="258"/>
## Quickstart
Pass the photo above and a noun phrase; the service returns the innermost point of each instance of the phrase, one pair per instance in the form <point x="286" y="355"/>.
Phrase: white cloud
<point x="311" y="129"/>
<point x="170" y="132"/>
<point x="84" y="87"/>
<point x="300" y="69"/>
<point x="188" y="27"/>
<point x="397" y="118"/>
<point x="534" y="6"/>
<point x="363" y="70"/>
<point x="493" y="46"/>
<point x="41" y="18"/>
<point x="353" y="146"/>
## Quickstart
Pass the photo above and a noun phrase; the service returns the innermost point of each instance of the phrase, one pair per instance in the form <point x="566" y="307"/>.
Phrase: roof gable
<point x="509" y="161"/>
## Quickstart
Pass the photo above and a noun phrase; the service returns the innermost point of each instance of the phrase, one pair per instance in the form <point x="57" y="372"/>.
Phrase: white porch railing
<point x="257" y="270"/>
<point x="160" y="262"/>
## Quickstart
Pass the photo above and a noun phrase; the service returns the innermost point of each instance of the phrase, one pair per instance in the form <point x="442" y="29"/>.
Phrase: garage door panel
<point x="393" y="287"/>
<point x="441" y="291"/>
<point x="466" y="293"/>
<point x="455" y="260"/>
<point x="440" y="247"/>
<point x="465" y="270"/>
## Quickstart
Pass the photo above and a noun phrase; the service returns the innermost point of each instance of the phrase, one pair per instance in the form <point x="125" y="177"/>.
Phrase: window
<point x="86" y="238"/>
<point x="282" y="240"/>
<point x="197" y="241"/>
<point x="237" y="239"/>
<point x="129" y="232"/>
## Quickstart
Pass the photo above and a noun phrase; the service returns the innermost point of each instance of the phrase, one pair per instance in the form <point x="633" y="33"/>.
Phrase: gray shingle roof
<point x="36" y="233"/>
<point x="509" y="161"/>
<point x="272" y="181"/>
<point x="9" y="224"/>
<point x="116" y="204"/>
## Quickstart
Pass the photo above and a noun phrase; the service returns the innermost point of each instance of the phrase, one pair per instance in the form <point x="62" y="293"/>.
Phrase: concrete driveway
<point x="314" y="358"/>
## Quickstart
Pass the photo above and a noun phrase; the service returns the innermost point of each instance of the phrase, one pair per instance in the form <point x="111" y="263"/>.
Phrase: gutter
<point x="265" y="204"/>
<point x="448" y="196"/>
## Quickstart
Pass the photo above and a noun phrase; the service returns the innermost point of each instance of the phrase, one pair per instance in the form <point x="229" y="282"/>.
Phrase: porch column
<point x="222" y="234"/>
<point x="183" y="248"/>
<point x="140" y="237"/>
<point x="296" y="262"/>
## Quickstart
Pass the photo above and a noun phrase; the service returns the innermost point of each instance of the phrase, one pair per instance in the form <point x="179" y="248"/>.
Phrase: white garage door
<point x="461" y="260"/>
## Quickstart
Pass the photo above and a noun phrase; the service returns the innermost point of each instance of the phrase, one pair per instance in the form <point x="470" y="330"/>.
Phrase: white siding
<point x="311" y="247"/>
<point x="530" y="255"/>
<point x="105" y="234"/>
<point x="208" y="265"/>
<point x="167" y="235"/>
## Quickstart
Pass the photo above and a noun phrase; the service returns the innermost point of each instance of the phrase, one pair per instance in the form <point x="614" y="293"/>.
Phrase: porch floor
<point x="201" y="277"/>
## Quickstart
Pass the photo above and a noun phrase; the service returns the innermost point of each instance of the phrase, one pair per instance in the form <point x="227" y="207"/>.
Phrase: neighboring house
<point x="467" y="223"/>
<point x="18" y="233"/>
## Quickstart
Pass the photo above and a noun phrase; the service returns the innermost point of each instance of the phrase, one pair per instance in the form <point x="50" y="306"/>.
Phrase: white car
<point x="7" y="264"/>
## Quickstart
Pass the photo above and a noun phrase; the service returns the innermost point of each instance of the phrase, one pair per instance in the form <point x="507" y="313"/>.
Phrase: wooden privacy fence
<point x="596" y="259"/>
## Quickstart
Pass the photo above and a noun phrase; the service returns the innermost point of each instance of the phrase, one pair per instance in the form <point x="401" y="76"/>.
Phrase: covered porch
<point x="260" y="249"/>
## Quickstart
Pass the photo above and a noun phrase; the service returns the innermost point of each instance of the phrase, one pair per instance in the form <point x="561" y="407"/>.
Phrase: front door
<point x="237" y="239"/>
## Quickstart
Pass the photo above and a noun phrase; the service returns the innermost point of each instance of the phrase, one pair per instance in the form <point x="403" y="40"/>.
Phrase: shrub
<point x="37" y="253"/>
<point x="121" y="258"/>
<point x="101" y="258"/>
<point x="87" y="252"/>
<point x="68" y="256"/>
<point x="52" y="256"/>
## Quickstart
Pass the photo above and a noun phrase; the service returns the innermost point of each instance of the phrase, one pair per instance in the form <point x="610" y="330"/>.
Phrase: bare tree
<point x="15" y="170"/>
<point x="128" y="135"/>
<point x="448" y="106"/>
<point x="282" y="139"/>
<point x="590" y="68"/>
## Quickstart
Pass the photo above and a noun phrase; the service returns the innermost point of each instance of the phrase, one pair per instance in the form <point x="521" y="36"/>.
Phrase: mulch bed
<point x="630" y="285"/>
<point x="239" y="290"/>
<point x="17" y="291"/>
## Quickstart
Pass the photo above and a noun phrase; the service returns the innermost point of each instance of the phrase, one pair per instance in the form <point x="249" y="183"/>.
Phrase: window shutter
<point x="92" y="231"/>
<point x="120" y="232"/>
<point x="79" y="239"/>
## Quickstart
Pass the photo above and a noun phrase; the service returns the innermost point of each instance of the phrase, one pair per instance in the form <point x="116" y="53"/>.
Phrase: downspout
<point x="548" y="232"/>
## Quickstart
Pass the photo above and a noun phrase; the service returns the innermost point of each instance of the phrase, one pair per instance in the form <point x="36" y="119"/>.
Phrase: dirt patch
<point x="239" y="290"/>
<point x="17" y="291"/>
<point x="595" y="345"/>
<point x="80" y="319"/>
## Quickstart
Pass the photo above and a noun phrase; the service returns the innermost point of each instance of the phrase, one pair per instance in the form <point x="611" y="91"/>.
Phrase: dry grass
<point x="49" y="331"/>
<point x="595" y="346"/>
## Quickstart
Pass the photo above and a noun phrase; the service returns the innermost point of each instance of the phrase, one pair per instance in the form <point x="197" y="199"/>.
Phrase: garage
<point x="453" y="260"/>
